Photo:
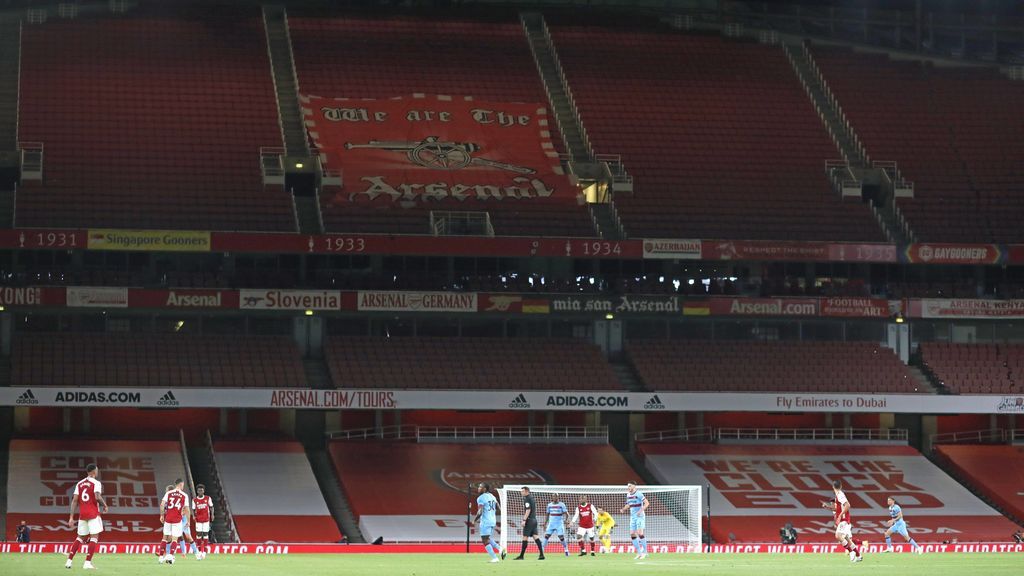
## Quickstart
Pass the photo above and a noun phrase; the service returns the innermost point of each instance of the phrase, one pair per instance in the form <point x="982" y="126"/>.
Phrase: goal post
<point x="673" y="519"/>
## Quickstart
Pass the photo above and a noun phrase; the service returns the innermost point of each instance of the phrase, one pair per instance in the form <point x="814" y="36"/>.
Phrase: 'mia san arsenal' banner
<point x="417" y="149"/>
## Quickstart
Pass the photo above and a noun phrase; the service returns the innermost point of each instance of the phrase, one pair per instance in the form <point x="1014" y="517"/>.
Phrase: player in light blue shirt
<point x="637" y="505"/>
<point x="557" y="512"/>
<point x="487" y="515"/>
<point x="898" y="525"/>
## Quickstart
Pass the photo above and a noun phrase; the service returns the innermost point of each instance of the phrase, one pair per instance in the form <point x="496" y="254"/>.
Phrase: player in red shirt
<point x="203" y="506"/>
<point x="840" y="508"/>
<point x="584" y="518"/>
<point x="173" y="508"/>
<point x="88" y="498"/>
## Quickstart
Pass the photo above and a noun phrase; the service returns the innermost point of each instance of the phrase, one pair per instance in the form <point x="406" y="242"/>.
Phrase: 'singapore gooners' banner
<point x="420" y="149"/>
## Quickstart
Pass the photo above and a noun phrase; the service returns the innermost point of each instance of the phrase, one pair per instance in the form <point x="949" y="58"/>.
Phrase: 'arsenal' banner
<point x="434" y="148"/>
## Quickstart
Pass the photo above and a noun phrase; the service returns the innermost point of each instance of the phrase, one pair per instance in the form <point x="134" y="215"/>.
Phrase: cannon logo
<point x="168" y="400"/>
<point x="519" y="401"/>
<point x="459" y="480"/>
<point x="27" y="398"/>
<point x="436" y="154"/>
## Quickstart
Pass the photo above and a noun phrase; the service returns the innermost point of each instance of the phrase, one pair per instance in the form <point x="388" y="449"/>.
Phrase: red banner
<point x="32" y="296"/>
<point x="106" y="548"/>
<point x="859" y="307"/>
<point x="954" y="253"/>
<point x="418" y="149"/>
<point x="182" y="298"/>
<point x="763" y="306"/>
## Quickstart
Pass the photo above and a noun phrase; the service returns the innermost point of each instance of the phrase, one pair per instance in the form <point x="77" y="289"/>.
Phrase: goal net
<point x="673" y="518"/>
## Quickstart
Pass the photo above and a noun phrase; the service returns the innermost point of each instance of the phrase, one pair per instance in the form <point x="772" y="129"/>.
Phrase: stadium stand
<point x="997" y="472"/>
<point x="468" y="363"/>
<point x="386" y="57"/>
<point x="976" y="368"/>
<point x="724" y="143"/>
<point x="417" y="492"/>
<point x="757" y="488"/>
<point x="273" y="493"/>
<point x="41" y="473"/>
<point x="955" y="132"/>
<point x="746" y="366"/>
<point x="112" y="359"/>
<point x="150" y="122"/>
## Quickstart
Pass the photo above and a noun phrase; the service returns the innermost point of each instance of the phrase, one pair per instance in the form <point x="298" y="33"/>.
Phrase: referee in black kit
<point x="529" y="525"/>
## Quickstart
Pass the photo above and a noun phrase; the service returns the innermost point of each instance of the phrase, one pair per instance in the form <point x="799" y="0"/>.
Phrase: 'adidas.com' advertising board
<point x="510" y="399"/>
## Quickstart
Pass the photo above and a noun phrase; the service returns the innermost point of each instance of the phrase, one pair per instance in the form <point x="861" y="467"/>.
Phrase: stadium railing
<point x="489" y="434"/>
<point x="715" y="434"/>
<point x="864" y="434"/>
<point x="988" y="436"/>
<point x="705" y="434"/>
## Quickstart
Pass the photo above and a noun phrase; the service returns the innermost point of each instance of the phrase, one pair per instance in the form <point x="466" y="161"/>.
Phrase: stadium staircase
<point x="924" y="380"/>
<point x="317" y="374"/>
<point x="845" y="138"/>
<point x="628" y="377"/>
<point x="330" y="485"/>
<point x="282" y="63"/>
<point x="204" y="471"/>
<point x="569" y="124"/>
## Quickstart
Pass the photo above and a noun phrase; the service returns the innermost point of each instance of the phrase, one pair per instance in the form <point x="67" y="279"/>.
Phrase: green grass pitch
<point x="476" y="565"/>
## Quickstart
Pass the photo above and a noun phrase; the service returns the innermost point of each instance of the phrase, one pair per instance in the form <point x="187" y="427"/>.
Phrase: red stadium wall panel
<point x="42" y="474"/>
<point x="997" y="471"/>
<point x="273" y="493"/>
<point x="417" y="492"/>
<point x="756" y="489"/>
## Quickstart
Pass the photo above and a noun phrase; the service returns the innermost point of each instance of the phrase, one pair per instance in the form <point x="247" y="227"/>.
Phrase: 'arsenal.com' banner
<point x="433" y="148"/>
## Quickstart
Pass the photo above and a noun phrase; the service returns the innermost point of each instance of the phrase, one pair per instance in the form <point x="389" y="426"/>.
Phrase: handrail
<point x="988" y="436"/>
<point x="411" y="432"/>
<point x="589" y="150"/>
<point x="273" y="77"/>
<point x="701" y="434"/>
<point x="895" y="434"/>
<point x="17" y="105"/>
<point x="295" y="78"/>
<point x="223" y="492"/>
<point x="184" y="458"/>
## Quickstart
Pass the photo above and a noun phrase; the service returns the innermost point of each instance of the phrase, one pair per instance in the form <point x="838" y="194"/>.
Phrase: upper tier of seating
<point x="122" y="359"/>
<point x="976" y="368"/>
<point x="387" y="57"/>
<point x="745" y="366"/>
<point x="955" y="132"/>
<point x="468" y="363"/>
<point x="150" y="122"/>
<point x="721" y="137"/>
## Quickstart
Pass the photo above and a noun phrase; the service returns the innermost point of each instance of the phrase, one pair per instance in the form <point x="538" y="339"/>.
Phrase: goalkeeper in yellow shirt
<point x="605" y="523"/>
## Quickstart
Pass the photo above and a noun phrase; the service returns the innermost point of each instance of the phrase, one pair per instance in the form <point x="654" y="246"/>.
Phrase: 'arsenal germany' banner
<point x="436" y="148"/>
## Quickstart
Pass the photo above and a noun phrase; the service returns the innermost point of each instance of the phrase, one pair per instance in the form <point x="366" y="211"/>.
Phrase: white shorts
<point x="172" y="529"/>
<point x="844" y="530"/>
<point x="90" y="527"/>
<point x="202" y="527"/>
<point x="585" y="533"/>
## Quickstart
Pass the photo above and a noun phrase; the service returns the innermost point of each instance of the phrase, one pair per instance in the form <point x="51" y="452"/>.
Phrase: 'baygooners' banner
<point x="433" y="148"/>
